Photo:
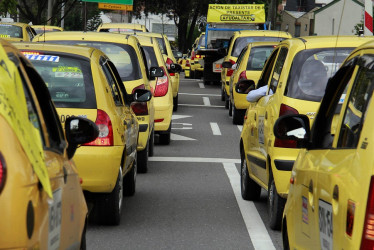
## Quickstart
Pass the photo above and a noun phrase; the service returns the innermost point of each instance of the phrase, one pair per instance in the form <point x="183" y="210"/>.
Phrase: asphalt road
<point x="190" y="197"/>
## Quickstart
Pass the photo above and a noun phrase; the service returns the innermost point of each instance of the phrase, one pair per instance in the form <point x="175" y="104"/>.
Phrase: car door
<point x="234" y="77"/>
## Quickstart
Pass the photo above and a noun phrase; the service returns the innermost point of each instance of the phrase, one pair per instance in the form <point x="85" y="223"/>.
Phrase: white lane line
<point x="197" y="94"/>
<point x="240" y="127"/>
<point x="193" y="159"/>
<point x="188" y="80"/>
<point x="197" y="105"/>
<point x="215" y="128"/>
<point x="201" y="85"/>
<point x="256" y="229"/>
<point x="206" y="101"/>
<point x="175" y="137"/>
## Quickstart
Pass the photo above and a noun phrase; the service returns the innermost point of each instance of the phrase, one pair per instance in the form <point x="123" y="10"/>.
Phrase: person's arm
<point x="256" y="94"/>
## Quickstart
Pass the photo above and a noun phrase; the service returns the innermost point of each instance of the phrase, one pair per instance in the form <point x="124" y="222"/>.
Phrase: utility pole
<point x="49" y="12"/>
<point x="62" y="15"/>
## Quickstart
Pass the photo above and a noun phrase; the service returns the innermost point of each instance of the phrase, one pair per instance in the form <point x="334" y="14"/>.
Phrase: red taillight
<point x="350" y="217"/>
<point x="159" y="120"/>
<point x="140" y="108"/>
<point x="168" y="62"/>
<point x="2" y="172"/>
<point x="230" y="71"/>
<point x="188" y="63"/>
<point x="198" y="56"/>
<point x="138" y="87"/>
<point x="162" y="85"/>
<point x="286" y="110"/>
<point x="193" y="55"/>
<point x="243" y="76"/>
<point x="367" y="241"/>
<point x="104" y="124"/>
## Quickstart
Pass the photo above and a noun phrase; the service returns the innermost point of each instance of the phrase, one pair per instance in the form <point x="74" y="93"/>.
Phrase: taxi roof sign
<point x="236" y="13"/>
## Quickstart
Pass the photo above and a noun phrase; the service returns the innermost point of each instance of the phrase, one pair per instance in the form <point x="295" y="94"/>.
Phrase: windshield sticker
<point x="69" y="72"/>
<point x="4" y="36"/>
<point x="48" y="58"/>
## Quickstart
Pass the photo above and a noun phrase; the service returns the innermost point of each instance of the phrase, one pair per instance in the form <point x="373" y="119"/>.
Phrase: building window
<point x="306" y="27"/>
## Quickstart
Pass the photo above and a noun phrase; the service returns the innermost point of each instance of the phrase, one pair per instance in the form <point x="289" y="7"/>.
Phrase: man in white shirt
<point x="256" y="94"/>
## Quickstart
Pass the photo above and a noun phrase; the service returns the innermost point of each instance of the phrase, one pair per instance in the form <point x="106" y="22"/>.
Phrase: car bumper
<point x="164" y="112"/>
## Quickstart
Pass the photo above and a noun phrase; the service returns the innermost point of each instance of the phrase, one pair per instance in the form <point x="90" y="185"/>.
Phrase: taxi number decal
<point x="325" y="225"/>
<point x="42" y="58"/>
<point x="55" y="220"/>
<point x="64" y="117"/>
<point x="4" y="36"/>
<point x="261" y="137"/>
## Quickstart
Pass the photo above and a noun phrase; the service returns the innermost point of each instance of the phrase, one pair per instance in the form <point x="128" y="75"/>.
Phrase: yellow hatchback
<point x="238" y="41"/>
<point x="126" y="54"/>
<point x="294" y="80"/>
<point x="83" y="82"/>
<point x="42" y="203"/>
<point x="16" y="32"/>
<point x="330" y="203"/>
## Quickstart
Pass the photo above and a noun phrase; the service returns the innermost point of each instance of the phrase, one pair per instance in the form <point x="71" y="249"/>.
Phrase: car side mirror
<point x="156" y="72"/>
<point x="293" y="127"/>
<point x="142" y="95"/>
<point x="79" y="130"/>
<point x="175" y="68"/>
<point x="244" y="86"/>
<point x="226" y="65"/>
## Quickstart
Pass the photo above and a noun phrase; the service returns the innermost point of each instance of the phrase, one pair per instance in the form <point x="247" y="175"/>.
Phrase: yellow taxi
<point x="163" y="93"/>
<point x="197" y="61"/>
<point x="293" y="82"/>
<point x="16" y="32"/>
<point x="121" y="27"/>
<point x="83" y="82"/>
<point x="238" y="41"/>
<point x="330" y="203"/>
<point x="42" y="203"/>
<point x="126" y="54"/>
<point x="46" y="28"/>
<point x="248" y="66"/>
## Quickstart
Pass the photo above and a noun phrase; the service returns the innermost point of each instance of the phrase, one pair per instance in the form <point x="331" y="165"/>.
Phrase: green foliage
<point x="8" y="6"/>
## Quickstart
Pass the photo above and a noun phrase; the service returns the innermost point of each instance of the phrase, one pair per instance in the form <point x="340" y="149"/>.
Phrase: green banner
<point x="127" y="2"/>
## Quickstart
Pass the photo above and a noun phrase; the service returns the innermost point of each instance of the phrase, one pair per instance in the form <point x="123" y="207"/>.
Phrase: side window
<point x="112" y="83"/>
<point x="359" y="97"/>
<point x="29" y="31"/>
<point x="267" y="70"/>
<point x="121" y="86"/>
<point x="240" y="58"/>
<point x="278" y="69"/>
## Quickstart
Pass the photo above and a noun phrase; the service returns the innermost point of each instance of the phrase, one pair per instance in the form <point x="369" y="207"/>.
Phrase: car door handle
<point x="310" y="188"/>
<point x="255" y="117"/>
<point x="335" y="193"/>
<point x="266" y="115"/>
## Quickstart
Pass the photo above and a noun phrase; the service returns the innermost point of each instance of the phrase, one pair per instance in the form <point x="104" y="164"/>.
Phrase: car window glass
<point x="29" y="31"/>
<point x="358" y="100"/>
<point x="112" y="83"/>
<point x="258" y="57"/>
<point x="150" y="57"/>
<point x="8" y="30"/>
<point x="267" y="70"/>
<point x="162" y="44"/>
<point x="120" y="85"/>
<point x="240" y="58"/>
<point x="241" y="42"/>
<point x="311" y="70"/>
<point x="278" y="68"/>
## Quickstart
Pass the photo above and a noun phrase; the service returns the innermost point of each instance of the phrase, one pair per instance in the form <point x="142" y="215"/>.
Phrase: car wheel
<point x="227" y="102"/>
<point x="175" y="103"/>
<point x="151" y="144"/>
<point x="286" y="243"/>
<point x="129" y="181"/>
<point x="142" y="159"/>
<point x="110" y="205"/>
<point x="249" y="188"/>
<point x="230" y="108"/>
<point x="192" y="74"/>
<point x="164" y="139"/>
<point x="275" y="206"/>
<point x="223" y="94"/>
<point x="83" y="245"/>
<point x="237" y="115"/>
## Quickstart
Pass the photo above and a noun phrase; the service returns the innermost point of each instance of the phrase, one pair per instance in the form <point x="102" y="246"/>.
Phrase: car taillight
<point x="198" y="56"/>
<point x="162" y="85"/>
<point x="104" y="124"/>
<point x="2" y="172"/>
<point x="168" y="62"/>
<point x="230" y="71"/>
<point x="188" y="63"/>
<point x="138" y="87"/>
<point x="193" y="55"/>
<point x="286" y="110"/>
<point x="243" y="76"/>
<point x="159" y="120"/>
<point x="139" y="108"/>
<point x="350" y="218"/>
<point x="367" y="241"/>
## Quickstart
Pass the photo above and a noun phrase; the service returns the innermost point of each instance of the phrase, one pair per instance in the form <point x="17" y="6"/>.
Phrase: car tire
<point x="250" y="190"/>
<point x="286" y="242"/>
<point x="230" y="108"/>
<point x="227" y="102"/>
<point x="83" y="245"/>
<point x="151" y="144"/>
<point x="192" y="74"/>
<point x="223" y="94"/>
<point x="175" y="103"/>
<point x="275" y="206"/>
<point x="142" y="160"/>
<point x="129" y="181"/>
<point x="110" y="205"/>
<point x="164" y="138"/>
<point x="237" y="115"/>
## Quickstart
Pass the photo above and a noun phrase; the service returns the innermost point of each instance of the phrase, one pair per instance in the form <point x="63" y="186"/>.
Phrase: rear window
<point x="150" y="57"/>
<point x="120" y="30"/>
<point x="258" y="57"/>
<point x="311" y="70"/>
<point x="123" y="57"/>
<point x="41" y="30"/>
<point x="68" y="78"/>
<point x="241" y="42"/>
<point x="162" y="44"/>
<point x="202" y="41"/>
<point x="8" y="30"/>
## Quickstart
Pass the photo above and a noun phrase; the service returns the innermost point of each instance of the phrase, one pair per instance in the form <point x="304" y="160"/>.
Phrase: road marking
<point x="181" y="125"/>
<point x="188" y="80"/>
<point x="206" y="101"/>
<point x="175" y="137"/>
<point x="176" y="117"/>
<point x="256" y="229"/>
<point x="240" y="127"/>
<point x="198" y="94"/>
<point x="193" y="159"/>
<point x="196" y="105"/>
<point x="215" y="128"/>
<point x="201" y="85"/>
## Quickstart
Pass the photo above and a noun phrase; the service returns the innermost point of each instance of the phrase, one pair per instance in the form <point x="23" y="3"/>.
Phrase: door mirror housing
<point x="244" y="86"/>
<point x="293" y="127"/>
<point x="142" y="95"/>
<point x="156" y="72"/>
<point x="226" y="65"/>
<point x="79" y="130"/>
<point x="175" y="68"/>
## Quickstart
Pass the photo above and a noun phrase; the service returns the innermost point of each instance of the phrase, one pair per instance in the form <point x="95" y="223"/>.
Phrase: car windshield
<point x="241" y="42"/>
<point x="68" y="78"/>
<point x="202" y="41"/>
<point x="258" y="57"/>
<point x="123" y="57"/>
<point x="150" y="57"/>
<point x="8" y="30"/>
<point x="311" y="70"/>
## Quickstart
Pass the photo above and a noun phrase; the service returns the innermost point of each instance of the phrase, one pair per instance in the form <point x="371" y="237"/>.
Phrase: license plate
<point x="55" y="220"/>
<point x="325" y="225"/>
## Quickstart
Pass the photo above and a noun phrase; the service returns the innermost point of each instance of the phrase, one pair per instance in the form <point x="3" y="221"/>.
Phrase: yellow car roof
<point x="15" y="24"/>
<point x="273" y="33"/>
<point x="311" y="42"/>
<point x="47" y="27"/>
<point x="258" y="44"/>
<point x="135" y="26"/>
<point x="144" y="40"/>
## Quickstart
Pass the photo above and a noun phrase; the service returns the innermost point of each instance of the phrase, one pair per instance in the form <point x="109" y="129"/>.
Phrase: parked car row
<point x="112" y="93"/>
